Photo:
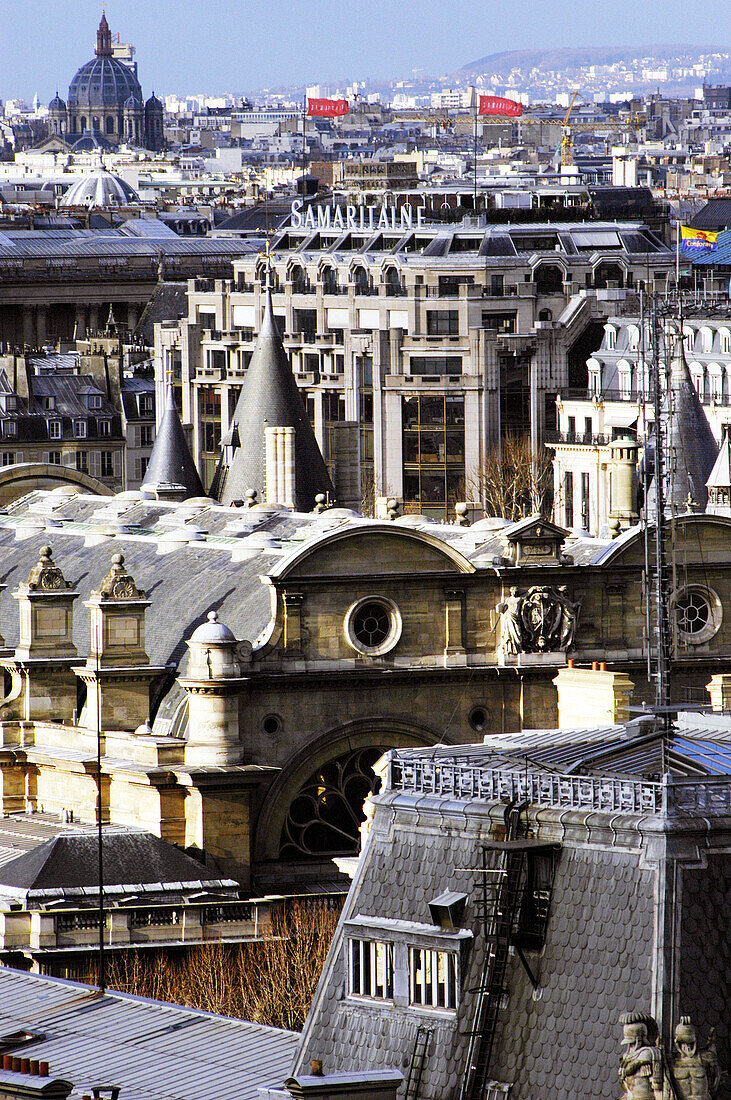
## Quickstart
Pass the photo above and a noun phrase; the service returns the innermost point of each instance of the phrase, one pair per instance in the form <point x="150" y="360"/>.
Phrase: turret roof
<point x="269" y="398"/>
<point x="171" y="464"/>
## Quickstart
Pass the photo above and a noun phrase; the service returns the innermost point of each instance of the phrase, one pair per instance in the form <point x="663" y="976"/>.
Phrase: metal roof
<point x="152" y="1050"/>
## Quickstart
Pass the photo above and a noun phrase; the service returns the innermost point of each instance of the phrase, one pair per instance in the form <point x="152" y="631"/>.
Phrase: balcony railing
<point x="585" y="439"/>
<point x="458" y="780"/>
<point x="634" y="396"/>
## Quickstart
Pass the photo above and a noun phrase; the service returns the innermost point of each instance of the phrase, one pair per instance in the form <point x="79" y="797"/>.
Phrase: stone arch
<point x="25" y="477"/>
<point x="377" y="733"/>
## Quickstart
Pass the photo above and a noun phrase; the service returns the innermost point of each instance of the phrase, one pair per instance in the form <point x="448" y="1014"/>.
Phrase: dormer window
<point x="48" y="403"/>
<point x="10" y="429"/>
<point x="55" y="429"/>
<point x="105" y="427"/>
<point x="93" y="400"/>
<point x="80" y="429"/>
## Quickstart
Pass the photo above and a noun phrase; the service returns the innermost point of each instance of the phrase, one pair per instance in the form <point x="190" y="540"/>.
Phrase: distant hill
<point x="576" y="58"/>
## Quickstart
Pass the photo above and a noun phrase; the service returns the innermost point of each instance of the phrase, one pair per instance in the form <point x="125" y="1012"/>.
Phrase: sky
<point x="239" y="46"/>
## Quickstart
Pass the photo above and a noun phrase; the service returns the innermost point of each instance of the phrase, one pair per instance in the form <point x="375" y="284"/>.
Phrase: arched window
<point x="715" y="382"/>
<point x="688" y="340"/>
<point x="633" y="337"/>
<point x="624" y="379"/>
<point x="392" y="280"/>
<point x="110" y="124"/>
<point x="610" y="337"/>
<point x="96" y="123"/>
<point x="724" y="340"/>
<point x="707" y="339"/>
<point x="698" y="375"/>
<point x="298" y="278"/>
<point x="329" y="280"/>
<point x="82" y="124"/>
<point x="548" y="279"/>
<point x="361" y="281"/>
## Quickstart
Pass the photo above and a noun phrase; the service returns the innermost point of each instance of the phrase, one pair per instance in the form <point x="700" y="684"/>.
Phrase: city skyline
<point x="319" y="42"/>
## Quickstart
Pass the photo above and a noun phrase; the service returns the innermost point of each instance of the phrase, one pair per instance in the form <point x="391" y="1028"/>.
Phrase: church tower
<point x="103" y="38"/>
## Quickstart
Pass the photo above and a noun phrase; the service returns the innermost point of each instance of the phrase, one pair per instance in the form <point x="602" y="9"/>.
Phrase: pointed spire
<point x="269" y="398"/>
<point x="719" y="481"/>
<point x="103" y="38"/>
<point x="691" y="447"/>
<point x="171" y="472"/>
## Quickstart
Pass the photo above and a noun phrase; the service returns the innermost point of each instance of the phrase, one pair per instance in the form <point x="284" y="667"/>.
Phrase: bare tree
<point x="514" y="481"/>
<point x="270" y="981"/>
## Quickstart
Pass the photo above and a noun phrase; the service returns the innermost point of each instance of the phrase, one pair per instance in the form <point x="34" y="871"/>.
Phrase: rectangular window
<point x="105" y="427"/>
<point x="442" y="365"/>
<point x="585" y="501"/>
<point x="80" y="429"/>
<point x="442" y="322"/>
<point x="82" y="461"/>
<point x="10" y="429"/>
<point x="146" y="435"/>
<point x="499" y="322"/>
<point x="107" y="461"/>
<point x="8" y="458"/>
<point x="54" y="458"/>
<point x="568" y="492"/>
<point x="370" y="969"/>
<point x="55" y="429"/>
<point x="432" y="978"/>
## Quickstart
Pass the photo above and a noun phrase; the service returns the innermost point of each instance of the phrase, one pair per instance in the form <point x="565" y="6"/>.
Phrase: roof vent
<point x="447" y="910"/>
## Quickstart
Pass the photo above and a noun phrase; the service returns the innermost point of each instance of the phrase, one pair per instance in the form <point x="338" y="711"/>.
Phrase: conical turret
<point x="270" y="399"/>
<point x="691" y="447"/>
<point x="719" y="482"/>
<point x="171" y="472"/>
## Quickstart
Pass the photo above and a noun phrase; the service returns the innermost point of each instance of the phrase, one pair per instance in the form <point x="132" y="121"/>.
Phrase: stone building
<point x="517" y="902"/>
<point x="314" y="642"/>
<point x="415" y="346"/>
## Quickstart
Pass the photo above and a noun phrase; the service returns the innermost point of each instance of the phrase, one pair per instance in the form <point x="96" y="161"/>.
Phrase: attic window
<point x="15" y="1039"/>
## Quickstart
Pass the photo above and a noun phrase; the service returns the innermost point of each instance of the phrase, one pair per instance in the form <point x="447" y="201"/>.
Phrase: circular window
<point x="271" y="724"/>
<point x="478" y="719"/>
<point x="373" y="625"/>
<point x="698" y="614"/>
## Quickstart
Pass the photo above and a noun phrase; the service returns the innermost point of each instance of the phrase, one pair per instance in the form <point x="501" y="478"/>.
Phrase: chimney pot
<point x="570" y="662"/>
<point x="25" y="1065"/>
<point x="34" y="1066"/>
<point x="43" y="1069"/>
<point x="16" y="1065"/>
<point x="7" y="1061"/>
<point x="317" y="1067"/>
<point x="594" y="666"/>
<point x="602" y="666"/>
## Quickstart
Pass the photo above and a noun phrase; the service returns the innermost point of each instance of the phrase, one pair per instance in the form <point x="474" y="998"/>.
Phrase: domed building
<point x="105" y="98"/>
<point x="100" y="189"/>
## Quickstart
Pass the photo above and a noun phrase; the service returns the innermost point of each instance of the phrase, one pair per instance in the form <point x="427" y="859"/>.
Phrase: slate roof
<point x="153" y="1050"/>
<point x="562" y="1039"/>
<point x="132" y="858"/>
<point x="269" y="397"/>
<point x="715" y="215"/>
<point x="171" y="465"/>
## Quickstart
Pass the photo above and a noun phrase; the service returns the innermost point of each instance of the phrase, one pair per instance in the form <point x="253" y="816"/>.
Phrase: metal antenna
<point x="662" y="587"/>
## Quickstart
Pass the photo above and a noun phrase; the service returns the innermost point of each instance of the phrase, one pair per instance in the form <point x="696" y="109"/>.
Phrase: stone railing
<point x="460" y="780"/>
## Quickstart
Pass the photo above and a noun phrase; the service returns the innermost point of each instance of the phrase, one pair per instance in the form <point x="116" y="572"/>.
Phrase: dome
<point x="57" y="104"/>
<point x="212" y="632"/>
<point x="153" y="101"/>
<point x="103" y="82"/>
<point x="91" y="141"/>
<point x="132" y="104"/>
<point x="100" y="189"/>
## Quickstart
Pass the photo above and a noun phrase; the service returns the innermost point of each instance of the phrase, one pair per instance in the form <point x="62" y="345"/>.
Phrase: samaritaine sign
<point x="354" y="217"/>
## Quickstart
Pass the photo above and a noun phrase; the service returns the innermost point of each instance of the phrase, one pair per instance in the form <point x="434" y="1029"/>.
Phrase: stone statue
<point x="697" y="1073"/>
<point x="511" y="636"/>
<point x="641" y="1069"/>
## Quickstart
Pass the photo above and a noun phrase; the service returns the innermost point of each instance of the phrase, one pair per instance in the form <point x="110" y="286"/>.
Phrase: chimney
<point x="279" y="462"/>
<point x="590" y="697"/>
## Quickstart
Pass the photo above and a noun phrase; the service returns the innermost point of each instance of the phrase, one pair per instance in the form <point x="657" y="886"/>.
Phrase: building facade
<point x="417" y="348"/>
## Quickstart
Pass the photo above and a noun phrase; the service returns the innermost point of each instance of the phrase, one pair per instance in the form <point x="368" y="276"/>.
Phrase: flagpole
<point x="677" y="254"/>
<point x="474" y="143"/>
<point x="304" y="145"/>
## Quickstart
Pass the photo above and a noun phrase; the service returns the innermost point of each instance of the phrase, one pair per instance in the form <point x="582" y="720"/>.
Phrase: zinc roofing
<point x="152" y="1050"/>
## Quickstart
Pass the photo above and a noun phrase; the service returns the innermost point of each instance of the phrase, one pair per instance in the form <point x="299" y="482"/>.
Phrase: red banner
<point x="494" y="105"/>
<point x="327" y="108"/>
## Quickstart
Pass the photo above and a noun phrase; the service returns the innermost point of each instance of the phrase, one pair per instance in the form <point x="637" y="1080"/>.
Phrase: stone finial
<point x="392" y="508"/>
<point x="45" y="576"/>
<point x="320" y="503"/>
<point x="118" y="585"/>
<point x="461" y="511"/>
<point x="252" y="498"/>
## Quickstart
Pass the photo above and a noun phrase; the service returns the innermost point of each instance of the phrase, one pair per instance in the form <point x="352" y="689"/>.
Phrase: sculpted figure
<point x="697" y="1073"/>
<point x="541" y="617"/>
<point x="569" y="616"/>
<point x="641" y="1069"/>
<point x="511" y="636"/>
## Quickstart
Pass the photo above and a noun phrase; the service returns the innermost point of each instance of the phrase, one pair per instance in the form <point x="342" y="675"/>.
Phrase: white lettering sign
<point x="363" y="218"/>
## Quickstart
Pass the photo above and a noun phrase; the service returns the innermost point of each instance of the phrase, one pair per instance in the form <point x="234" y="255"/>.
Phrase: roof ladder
<point x="501" y="902"/>
<point x="418" y="1058"/>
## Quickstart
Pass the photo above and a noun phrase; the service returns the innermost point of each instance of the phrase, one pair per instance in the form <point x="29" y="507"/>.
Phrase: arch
<point x="633" y="337"/>
<point x="630" y="543"/>
<point x="392" y="280"/>
<point x="724" y="339"/>
<point x="22" y="478"/>
<point x="360" y="278"/>
<point x="549" y="278"/>
<point x="606" y="273"/>
<point x="328" y="276"/>
<point x="610" y="337"/>
<point x="688" y="339"/>
<point x="697" y="373"/>
<point x="452" y="558"/>
<point x="360" y="734"/>
<point x="110" y="124"/>
<point x="715" y="381"/>
<point x="706" y="335"/>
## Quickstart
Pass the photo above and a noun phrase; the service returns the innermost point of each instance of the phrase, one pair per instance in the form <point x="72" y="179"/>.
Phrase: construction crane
<point x="567" y="140"/>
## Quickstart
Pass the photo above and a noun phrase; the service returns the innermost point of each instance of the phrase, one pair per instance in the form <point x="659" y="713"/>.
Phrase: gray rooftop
<point x="152" y="1050"/>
